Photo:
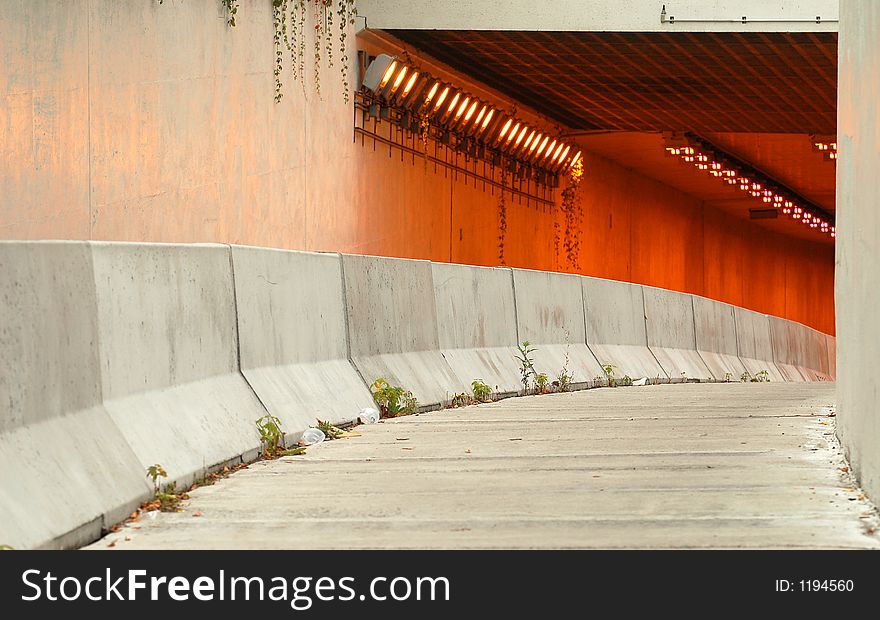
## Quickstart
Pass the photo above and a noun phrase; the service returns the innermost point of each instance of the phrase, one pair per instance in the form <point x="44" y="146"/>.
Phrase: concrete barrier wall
<point x="788" y="354"/>
<point x="715" y="332"/>
<point x="550" y="316"/>
<point x="66" y="471"/>
<point x="119" y="356"/>
<point x="615" y="328"/>
<point x="669" y="319"/>
<point x="754" y="343"/>
<point x="476" y="321"/>
<point x="392" y="326"/>
<point x="814" y="356"/>
<point x="292" y="336"/>
<point x="169" y="355"/>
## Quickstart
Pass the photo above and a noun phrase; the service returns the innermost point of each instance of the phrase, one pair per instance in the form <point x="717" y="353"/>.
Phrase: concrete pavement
<point x="668" y="466"/>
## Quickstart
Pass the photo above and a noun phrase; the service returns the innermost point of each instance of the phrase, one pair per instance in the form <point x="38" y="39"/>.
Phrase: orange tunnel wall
<point x="632" y="228"/>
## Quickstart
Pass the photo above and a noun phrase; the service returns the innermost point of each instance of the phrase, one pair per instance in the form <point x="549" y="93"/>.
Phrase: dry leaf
<point x="112" y="544"/>
<point x="197" y="514"/>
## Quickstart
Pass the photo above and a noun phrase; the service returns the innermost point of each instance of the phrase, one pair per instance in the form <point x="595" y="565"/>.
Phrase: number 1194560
<point x="815" y="585"/>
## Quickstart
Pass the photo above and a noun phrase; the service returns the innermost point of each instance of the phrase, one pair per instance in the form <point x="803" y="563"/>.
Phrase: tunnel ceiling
<point x="757" y="96"/>
<point x="702" y="82"/>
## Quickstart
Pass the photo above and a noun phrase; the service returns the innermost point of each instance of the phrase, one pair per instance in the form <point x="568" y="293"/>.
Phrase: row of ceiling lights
<point x="452" y="109"/>
<point x="826" y="146"/>
<point x="757" y="187"/>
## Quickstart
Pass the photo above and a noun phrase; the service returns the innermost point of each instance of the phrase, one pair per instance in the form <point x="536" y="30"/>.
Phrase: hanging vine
<point x="289" y="18"/>
<point x="424" y="134"/>
<point x="502" y="216"/>
<point x="573" y="214"/>
<point x="231" y="10"/>
<point x="277" y="13"/>
<point x="555" y="233"/>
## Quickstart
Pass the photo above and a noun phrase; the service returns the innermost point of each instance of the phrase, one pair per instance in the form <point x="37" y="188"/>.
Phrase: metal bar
<point x="675" y="20"/>
<point x="750" y="169"/>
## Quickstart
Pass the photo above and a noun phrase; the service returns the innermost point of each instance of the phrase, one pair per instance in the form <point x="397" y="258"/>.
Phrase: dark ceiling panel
<point x="702" y="82"/>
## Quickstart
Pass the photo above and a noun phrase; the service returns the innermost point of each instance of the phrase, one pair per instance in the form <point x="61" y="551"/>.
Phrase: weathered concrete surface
<point x="754" y="343"/>
<point x="392" y="326"/>
<point x="787" y="350"/>
<point x="550" y="316"/>
<point x="858" y="238"/>
<point x="292" y="336"/>
<point x="669" y="318"/>
<point x="168" y="350"/>
<point x="687" y="465"/>
<point x="614" y="313"/>
<point x="65" y="469"/>
<point x="831" y="344"/>
<point x="715" y="331"/>
<point x="476" y="324"/>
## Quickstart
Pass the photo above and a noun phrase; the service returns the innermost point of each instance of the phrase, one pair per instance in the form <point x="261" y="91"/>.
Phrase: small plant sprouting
<point x="608" y="369"/>
<point x="169" y="498"/>
<point x="526" y="365"/>
<point x="271" y="435"/>
<point x="626" y="381"/>
<point x="482" y="392"/>
<point x="330" y="431"/>
<point x="460" y="400"/>
<point x="294" y="451"/>
<point x="393" y="401"/>
<point x="761" y="377"/>
<point x="154" y="472"/>
<point x="541" y="383"/>
<point x="727" y="377"/>
<point x="564" y="378"/>
<point x="166" y="498"/>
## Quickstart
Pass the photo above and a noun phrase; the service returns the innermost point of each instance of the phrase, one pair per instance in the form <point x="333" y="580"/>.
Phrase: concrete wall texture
<point x="858" y="239"/>
<point x="143" y="122"/>
<point x="118" y="356"/>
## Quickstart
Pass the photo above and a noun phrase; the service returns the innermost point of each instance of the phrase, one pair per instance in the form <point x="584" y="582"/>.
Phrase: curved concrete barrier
<point x="66" y="472"/>
<point x="169" y="355"/>
<point x="799" y="352"/>
<point x="476" y="321"/>
<point x="754" y="343"/>
<point x="615" y="328"/>
<point x="292" y="336"/>
<point x="392" y="326"/>
<point x="715" y="332"/>
<point x="812" y="352"/>
<point x="550" y="316"/>
<point x="116" y="356"/>
<point x="669" y="317"/>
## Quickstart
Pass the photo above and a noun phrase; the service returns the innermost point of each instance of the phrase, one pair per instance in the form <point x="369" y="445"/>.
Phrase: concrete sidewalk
<point x="671" y="466"/>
